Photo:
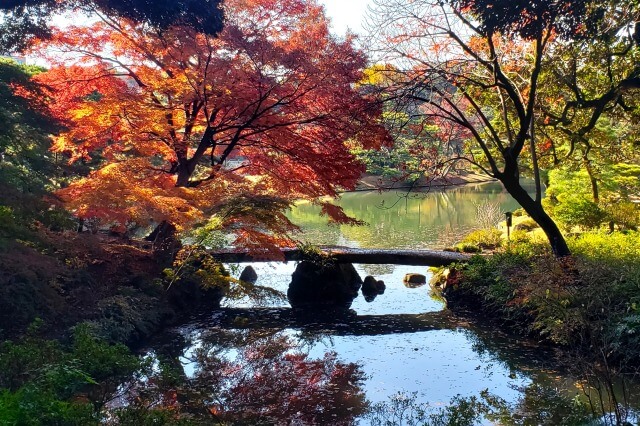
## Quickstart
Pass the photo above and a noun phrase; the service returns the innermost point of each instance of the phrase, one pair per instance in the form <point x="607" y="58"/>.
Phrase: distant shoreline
<point x="378" y="183"/>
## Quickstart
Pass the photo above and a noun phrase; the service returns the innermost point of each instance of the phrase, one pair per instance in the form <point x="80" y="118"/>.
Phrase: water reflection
<point x="250" y="377"/>
<point x="434" y="219"/>
<point x="274" y="365"/>
<point x="281" y="366"/>
<point x="271" y="366"/>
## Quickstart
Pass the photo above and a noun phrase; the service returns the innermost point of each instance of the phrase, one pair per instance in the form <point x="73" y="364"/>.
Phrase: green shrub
<point x="58" y="219"/>
<point x="523" y="244"/>
<point x="484" y="238"/>
<point x="467" y="248"/>
<point x="526" y="225"/>
<point x="625" y="214"/>
<point x="35" y="406"/>
<point x="620" y="248"/>
<point x="42" y="382"/>
<point x="578" y="211"/>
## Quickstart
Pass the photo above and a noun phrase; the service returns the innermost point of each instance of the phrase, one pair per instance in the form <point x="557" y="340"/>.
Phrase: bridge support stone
<point x="326" y="285"/>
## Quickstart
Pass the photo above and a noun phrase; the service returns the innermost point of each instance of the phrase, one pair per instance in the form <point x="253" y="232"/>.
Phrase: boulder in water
<point x="414" y="280"/>
<point x="249" y="275"/>
<point x="371" y="288"/>
<point x="323" y="285"/>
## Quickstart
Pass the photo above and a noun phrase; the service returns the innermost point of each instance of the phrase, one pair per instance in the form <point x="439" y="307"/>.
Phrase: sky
<point x="346" y="14"/>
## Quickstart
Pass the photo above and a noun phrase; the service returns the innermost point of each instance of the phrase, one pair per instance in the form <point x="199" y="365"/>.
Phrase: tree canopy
<point x="512" y="88"/>
<point x="526" y="19"/>
<point x="184" y="121"/>
<point x="26" y="19"/>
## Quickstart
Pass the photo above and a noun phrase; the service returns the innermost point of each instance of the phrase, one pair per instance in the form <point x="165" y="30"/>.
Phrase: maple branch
<point x="115" y="25"/>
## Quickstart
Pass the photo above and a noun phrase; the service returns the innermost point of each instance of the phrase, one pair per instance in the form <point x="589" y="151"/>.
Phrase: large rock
<point x="371" y="288"/>
<point x="323" y="285"/>
<point x="203" y="282"/>
<point x="414" y="280"/>
<point x="189" y="294"/>
<point x="249" y="275"/>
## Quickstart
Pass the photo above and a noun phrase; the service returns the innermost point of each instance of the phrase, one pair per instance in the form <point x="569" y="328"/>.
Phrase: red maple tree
<point x="166" y="112"/>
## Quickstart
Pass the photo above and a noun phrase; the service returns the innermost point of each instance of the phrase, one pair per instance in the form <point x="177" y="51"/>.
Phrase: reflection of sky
<point x="437" y="364"/>
<point x="397" y="299"/>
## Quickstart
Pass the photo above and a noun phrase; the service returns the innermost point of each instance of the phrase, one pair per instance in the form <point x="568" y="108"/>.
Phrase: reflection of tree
<point x="256" y="378"/>
<point x="284" y="387"/>
<point x="556" y="378"/>
<point x="538" y="405"/>
<point x="399" y="219"/>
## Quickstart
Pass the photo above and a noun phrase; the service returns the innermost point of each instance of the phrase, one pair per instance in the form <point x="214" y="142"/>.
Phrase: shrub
<point x="526" y="225"/>
<point x="578" y="211"/>
<point x="484" y="238"/>
<point x="625" y="214"/>
<point x="467" y="248"/>
<point x="43" y="382"/>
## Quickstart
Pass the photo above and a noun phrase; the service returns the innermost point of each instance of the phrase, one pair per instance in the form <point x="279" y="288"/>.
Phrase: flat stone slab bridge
<point x="353" y="255"/>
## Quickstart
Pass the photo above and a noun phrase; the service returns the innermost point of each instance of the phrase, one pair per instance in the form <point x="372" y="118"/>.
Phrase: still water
<point x="263" y="362"/>
<point x="399" y="220"/>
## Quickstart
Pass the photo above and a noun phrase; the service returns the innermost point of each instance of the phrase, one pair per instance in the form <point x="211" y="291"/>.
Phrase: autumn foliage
<point x="181" y="122"/>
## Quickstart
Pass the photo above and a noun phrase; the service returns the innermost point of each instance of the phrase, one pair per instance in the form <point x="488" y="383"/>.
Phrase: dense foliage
<point x="511" y="89"/>
<point x="24" y="20"/>
<point x="183" y="123"/>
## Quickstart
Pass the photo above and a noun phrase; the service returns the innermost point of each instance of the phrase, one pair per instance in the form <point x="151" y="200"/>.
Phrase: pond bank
<point x="583" y="305"/>
<point x="380" y="183"/>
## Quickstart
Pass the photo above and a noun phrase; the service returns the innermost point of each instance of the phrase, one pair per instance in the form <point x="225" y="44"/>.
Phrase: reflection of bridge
<point x="355" y="255"/>
<point x="337" y="323"/>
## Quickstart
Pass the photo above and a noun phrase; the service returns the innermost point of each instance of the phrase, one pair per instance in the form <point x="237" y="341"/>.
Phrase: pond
<point x="396" y="219"/>
<point x="400" y="358"/>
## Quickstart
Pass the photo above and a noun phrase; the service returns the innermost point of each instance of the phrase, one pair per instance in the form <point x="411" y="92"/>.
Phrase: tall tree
<point x="473" y="69"/>
<point x="589" y="97"/>
<point x="169" y="110"/>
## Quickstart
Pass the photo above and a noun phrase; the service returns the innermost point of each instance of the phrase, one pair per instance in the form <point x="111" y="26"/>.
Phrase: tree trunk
<point x="537" y="213"/>
<point x="183" y="176"/>
<point x="592" y="179"/>
<point x="165" y="242"/>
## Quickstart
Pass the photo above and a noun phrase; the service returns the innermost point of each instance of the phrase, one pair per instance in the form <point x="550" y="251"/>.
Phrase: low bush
<point x="484" y="238"/>
<point x="44" y="382"/>
<point x="467" y="248"/>
<point x="577" y="211"/>
<point x="590" y="300"/>
<point x="526" y="225"/>
<point x="625" y="214"/>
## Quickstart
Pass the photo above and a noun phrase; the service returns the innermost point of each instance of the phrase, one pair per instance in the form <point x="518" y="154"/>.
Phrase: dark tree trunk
<point x="183" y="176"/>
<point x="165" y="242"/>
<point x="537" y="213"/>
